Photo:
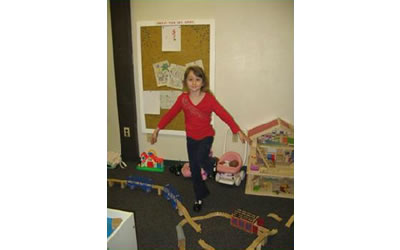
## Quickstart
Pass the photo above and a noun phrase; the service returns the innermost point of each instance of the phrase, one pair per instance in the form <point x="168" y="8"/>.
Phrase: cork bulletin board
<point x="197" y="43"/>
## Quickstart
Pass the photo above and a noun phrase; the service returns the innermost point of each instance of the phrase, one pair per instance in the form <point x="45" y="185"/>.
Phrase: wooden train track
<point x="262" y="232"/>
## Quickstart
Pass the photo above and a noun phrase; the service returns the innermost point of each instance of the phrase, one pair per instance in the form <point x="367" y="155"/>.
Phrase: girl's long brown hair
<point x="199" y="72"/>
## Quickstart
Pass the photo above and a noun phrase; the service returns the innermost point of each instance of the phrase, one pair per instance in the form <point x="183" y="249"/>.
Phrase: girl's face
<point x="194" y="82"/>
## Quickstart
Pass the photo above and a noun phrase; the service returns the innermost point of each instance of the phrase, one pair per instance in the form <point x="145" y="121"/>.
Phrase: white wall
<point x="113" y="139"/>
<point x="254" y="62"/>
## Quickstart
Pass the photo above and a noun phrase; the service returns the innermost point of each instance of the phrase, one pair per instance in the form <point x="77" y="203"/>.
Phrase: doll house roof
<point x="264" y="128"/>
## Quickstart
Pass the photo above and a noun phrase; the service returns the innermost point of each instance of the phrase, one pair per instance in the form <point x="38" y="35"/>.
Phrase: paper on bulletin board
<point x="168" y="98"/>
<point x="176" y="78"/>
<point x="151" y="102"/>
<point x="161" y="73"/>
<point x="171" y="38"/>
<point x="195" y="63"/>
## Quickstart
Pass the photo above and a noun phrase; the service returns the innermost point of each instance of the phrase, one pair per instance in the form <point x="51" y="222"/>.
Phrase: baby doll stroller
<point x="230" y="168"/>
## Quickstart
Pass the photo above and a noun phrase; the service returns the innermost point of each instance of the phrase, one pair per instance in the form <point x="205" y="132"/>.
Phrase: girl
<point x="197" y="105"/>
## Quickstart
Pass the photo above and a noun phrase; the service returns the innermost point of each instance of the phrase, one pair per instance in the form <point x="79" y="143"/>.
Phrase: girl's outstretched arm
<point x="167" y="117"/>
<point x="154" y="136"/>
<point x="243" y="137"/>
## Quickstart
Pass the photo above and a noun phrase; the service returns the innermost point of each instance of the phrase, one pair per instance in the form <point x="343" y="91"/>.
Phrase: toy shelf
<point x="275" y="172"/>
<point x="276" y="145"/>
<point x="265" y="191"/>
<point x="270" y="185"/>
<point x="258" y="168"/>
<point x="270" y="170"/>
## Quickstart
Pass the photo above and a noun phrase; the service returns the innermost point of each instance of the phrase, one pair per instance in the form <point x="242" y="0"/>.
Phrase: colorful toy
<point x="271" y="160"/>
<point x="239" y="219"/>
<point x="246" y="221"/>
<point x="140" y="181"/>
<point x="168" y="192"/>
<point x="230" y="167"/>
<point x="186" y="169"/>
<point x="150" y="162"/>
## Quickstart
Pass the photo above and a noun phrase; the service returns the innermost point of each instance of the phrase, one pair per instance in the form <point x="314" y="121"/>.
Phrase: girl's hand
<point x="244" y="138"/>
<point x="154" y="136"/>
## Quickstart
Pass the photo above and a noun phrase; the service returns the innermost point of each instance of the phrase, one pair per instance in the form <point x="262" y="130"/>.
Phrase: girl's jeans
<point x="199" y="157"/>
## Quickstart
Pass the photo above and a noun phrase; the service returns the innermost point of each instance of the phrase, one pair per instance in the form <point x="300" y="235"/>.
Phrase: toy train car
<point x="171" y="195"/>
<point x="140" y="182"/>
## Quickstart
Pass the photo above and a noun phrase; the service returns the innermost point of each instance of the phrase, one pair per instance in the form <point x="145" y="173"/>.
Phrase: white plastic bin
<point x="124" y="236"/>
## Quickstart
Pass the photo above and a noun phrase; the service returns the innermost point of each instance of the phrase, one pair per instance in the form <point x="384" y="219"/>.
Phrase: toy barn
<point x="150" y="162"/>
<point x="246" y="221"/>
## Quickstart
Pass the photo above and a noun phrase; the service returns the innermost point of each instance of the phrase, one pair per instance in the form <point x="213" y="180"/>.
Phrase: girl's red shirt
<point x="198" y="117"/>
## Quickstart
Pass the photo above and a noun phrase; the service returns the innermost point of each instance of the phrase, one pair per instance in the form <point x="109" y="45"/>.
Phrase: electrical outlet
<point x="127" y="132"/>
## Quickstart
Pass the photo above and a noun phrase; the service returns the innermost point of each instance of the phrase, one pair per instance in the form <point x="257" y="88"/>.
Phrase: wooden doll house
<point x="270" y="168"/>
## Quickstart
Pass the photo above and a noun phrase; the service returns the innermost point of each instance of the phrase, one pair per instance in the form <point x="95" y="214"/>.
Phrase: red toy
<point x="150" y="162"/>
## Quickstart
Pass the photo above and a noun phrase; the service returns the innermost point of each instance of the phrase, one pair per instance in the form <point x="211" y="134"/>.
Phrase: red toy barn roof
<point x="156" y="159"/>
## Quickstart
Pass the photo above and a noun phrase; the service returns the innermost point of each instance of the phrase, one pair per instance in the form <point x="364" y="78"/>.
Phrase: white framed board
<point x="165" y="48"/>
